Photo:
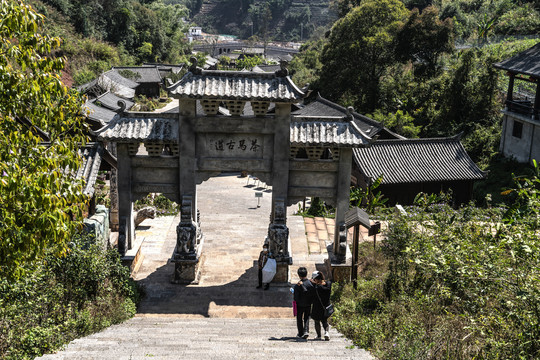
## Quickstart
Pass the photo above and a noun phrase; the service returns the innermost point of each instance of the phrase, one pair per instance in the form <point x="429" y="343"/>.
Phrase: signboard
<point x="233" y="145"/>
<point x="374" y="229"/>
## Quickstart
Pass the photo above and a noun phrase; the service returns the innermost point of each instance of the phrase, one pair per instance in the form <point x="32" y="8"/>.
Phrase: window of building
<point x="517" y="130"/>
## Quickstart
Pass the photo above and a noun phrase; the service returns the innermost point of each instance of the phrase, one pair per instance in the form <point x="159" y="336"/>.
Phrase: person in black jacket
<point x="303" y="295"/>
<point x="263" y="258"/>
<point x="321" y="300"/>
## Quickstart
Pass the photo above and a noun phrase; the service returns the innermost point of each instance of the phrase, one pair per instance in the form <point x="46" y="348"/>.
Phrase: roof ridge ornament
<point x="193" y="67"/>
<point x="283" y="71"/>
<point x="350" y="111"/>
<point x="122" y="105"/>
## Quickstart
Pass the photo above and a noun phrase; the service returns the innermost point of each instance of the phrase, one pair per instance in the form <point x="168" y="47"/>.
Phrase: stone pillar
<point x="126" y="229"/>
<point x="187" y="252"/>
<point x="342" y="203"/>
<point x="113" y="196"/>
<point x="278" y="232"/>
<point x="113" y="193"/>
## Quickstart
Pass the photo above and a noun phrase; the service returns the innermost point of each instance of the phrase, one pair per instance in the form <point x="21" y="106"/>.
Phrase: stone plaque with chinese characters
<point x="233" y="145"/>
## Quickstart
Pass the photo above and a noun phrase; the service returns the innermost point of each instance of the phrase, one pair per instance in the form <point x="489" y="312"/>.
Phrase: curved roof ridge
<point x="344" y="109"/>
<point x="455" y="138"/>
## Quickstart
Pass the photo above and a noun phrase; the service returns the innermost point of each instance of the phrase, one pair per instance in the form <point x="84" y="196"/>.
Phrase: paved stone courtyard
<point x="224" y="316"/>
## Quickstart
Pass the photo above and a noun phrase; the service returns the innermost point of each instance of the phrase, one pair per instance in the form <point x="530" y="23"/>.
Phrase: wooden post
<point x="536" y="109"/>
<point x="509" y="94"/>
<point x="354" y="270"/>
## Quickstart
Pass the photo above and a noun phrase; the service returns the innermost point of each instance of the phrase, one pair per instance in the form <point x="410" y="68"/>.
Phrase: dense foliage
<point x="63" y="299"/>
<point x="283" y="20"/>
<point x="450" y="284"/>
<point x="41" y="128"/>
<point x="148" y="30"/>
<point x="407" y="73"/>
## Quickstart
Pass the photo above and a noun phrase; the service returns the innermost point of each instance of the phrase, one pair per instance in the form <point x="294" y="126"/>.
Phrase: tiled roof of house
<point x="236" y="85"/>
<point x="110" y="101"/>
<point x="89" y="169"/>
<point x="82" y="88"/>
<point x="526" y="62"/>
<point x="324" y="107"/>
<point x="141" y="129"/>
<point x="417" y="161"/>
<point x="332" y="132"/>
<point x="266" y="68"/>
<point x="143" y="74"/>
<point x="112" y="81"/>
<point x="174" y="68"/>
<point x="98" y="113"/>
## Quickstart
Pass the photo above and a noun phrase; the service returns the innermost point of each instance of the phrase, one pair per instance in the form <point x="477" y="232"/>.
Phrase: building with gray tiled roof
<point x="114" y="82"/>
<point x="148" y="78"/>
<point x="520" y="136"/>
<point x="411" y="166"/>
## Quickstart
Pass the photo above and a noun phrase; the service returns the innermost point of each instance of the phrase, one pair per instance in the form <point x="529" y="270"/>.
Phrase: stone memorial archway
<point x="298" y="156"/>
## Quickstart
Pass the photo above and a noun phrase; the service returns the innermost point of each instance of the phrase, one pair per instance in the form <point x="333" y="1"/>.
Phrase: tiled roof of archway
<point x="237" y="85"/>
<point x="140" y="129"/>
<point x="327" y="131"/>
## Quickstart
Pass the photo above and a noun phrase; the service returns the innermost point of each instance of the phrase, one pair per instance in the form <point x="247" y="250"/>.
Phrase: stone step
<point x="168" y="337"/>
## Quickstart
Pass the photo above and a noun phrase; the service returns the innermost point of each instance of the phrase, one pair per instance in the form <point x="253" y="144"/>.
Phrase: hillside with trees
<point x="282" y="20"/>
<point x="97" y="35"/>
<point x="402" y="67"/>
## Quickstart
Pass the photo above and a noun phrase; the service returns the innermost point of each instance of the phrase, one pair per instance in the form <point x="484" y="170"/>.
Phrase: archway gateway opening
<point x="298" y="156"/>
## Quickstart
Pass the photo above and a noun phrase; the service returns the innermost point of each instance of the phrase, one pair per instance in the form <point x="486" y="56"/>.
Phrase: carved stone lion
<point x="143" y="214"/>
<point x="186" y="238"/>
<point x="278" y="237"/>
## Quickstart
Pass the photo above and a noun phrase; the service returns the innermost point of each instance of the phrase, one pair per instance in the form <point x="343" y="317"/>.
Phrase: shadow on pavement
<point x="163" y="297"/>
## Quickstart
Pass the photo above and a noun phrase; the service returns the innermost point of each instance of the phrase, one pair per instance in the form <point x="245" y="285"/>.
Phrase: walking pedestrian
<point x="303" y="295"/>
<point x="323" y="289"/>
<point x="263" y="258"/>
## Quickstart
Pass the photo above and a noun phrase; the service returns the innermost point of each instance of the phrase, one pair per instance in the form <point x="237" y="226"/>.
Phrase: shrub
<point x="456" y="284"/>
<point x="64" y="298"/>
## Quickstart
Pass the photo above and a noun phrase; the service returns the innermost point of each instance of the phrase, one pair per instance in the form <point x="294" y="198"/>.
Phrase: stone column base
<point x="339" y="272"/>
<point x="282" y="273"/>
<point x="339" y="268"/>
<point x="186" y="271"/>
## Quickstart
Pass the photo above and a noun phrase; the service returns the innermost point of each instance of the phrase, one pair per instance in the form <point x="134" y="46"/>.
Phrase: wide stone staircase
<point x="224" y="316"/>
<point x="166" y="337"/>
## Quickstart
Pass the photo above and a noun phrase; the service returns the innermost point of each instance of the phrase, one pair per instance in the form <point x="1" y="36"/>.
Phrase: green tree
<point x="424" y="38"/>
<point x="41" y="127"/>
<point x="360" y="49"/>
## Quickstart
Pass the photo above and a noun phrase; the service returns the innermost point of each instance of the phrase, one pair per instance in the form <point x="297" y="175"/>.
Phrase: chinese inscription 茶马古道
<point x="242" y="145"/>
